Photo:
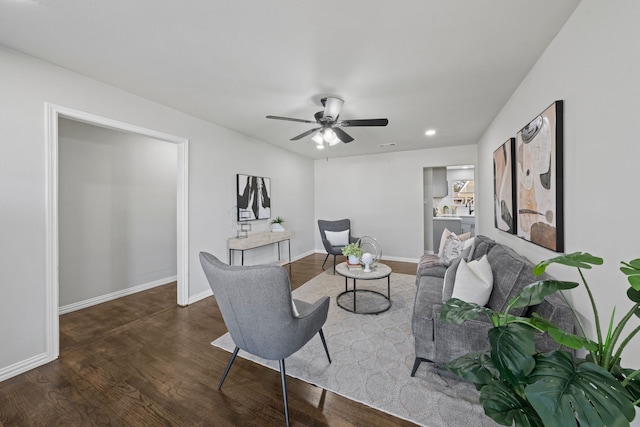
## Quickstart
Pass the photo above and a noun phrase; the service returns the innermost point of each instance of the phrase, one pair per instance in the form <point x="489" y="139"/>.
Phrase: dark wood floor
<point x="142" y="361"/>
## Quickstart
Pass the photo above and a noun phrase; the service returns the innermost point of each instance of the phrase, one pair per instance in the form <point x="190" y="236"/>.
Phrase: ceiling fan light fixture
<point x="332" y="107"/>
<point x="318" y="138"/>
<point x="330" y="137"/>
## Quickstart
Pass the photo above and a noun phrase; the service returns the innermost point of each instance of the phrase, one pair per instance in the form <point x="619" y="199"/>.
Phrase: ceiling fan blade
<point x="290" y="119"/>
<point x="332" y="107"/>
<point x="307" y="133"/>
<point x="364" y="122"/>
<point x="342" y="135"/>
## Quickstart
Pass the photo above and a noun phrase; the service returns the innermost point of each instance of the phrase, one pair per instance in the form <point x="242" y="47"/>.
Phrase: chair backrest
<point x="338" y="225"/>
<point x="255" y="302"/>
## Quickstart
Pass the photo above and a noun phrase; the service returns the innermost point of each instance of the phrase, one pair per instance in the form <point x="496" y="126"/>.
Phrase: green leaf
<point x="561" y="336"/>
<point x="562" y="390"/>
<point x="474" y="367"/>
<point x="512" y="349"/>
<point x="635" y="264"/>
<point x="457" y="311"/>
<point x="634" y="295"/>
<point x="534" y="293"/>
<point x="576" y="259"/>
<point x="503" y="404"/>
<point x="632" y="270"/>
<point x="634" y="385"/>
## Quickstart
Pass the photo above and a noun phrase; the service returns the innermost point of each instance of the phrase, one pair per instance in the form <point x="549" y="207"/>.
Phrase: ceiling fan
<point x="329" y="128"/>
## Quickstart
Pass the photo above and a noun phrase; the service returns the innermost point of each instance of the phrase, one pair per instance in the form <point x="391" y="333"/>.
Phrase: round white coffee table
<point x="370" y="301"/>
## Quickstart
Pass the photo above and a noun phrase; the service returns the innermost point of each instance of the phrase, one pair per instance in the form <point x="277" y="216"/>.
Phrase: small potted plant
<point x="353" y="252"/>
<point x="276" y="224"/>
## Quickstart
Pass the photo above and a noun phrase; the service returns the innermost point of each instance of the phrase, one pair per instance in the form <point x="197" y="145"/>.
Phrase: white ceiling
<point x="443" y="64"/>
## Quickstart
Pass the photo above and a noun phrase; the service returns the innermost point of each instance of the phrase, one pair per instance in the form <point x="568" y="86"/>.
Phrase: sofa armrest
<point x="428" y="295"/>
<point x="430" y="265"/>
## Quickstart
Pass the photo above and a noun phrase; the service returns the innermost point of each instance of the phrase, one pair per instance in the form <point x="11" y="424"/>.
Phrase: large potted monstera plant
<point x="555" y="389"/>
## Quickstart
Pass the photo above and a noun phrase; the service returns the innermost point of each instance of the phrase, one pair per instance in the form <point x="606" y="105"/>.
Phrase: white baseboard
<point x="401" y="259"/>
<point x="299" y="257"/>
<point x="114" y="295"/>
<point x="23" y="366"/>
<point x="202" y="295"/>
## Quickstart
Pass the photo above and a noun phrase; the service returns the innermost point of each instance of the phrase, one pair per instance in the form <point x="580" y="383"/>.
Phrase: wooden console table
<point x="257" y="240"/>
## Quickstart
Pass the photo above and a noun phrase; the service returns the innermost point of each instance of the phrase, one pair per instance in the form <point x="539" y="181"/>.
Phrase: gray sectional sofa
<point x="440" y="342"/>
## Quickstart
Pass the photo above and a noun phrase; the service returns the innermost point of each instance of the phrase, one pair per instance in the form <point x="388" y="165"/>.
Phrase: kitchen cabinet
<point x="468" y="224"/>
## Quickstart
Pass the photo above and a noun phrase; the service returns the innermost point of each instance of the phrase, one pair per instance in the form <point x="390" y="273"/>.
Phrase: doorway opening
<point x="53" y="114"/>
<point x="449" y="202"/>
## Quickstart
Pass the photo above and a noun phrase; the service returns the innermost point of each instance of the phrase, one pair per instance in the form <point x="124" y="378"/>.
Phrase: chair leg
<point x="416" y="364"/>
<point x="324" y="343"/>
<point x="226" y="371"/>
<point x="284" y="391"/>
<point x="325" y="261"/>
<point x="334" y="265"/>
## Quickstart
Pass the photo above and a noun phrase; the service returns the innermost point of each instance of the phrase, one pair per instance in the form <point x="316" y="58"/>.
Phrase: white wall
<point x="593" y="65"/>
<point x="216" y="155"/>
<point x="117" y="211"/>
<point x="382" y="194"/>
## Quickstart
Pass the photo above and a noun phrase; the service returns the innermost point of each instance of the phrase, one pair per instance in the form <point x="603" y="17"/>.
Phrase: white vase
<point x="277" y="227"/>
<point x="353" y="260"/>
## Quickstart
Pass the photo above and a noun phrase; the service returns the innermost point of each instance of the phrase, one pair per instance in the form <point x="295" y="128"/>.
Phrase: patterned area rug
<point x="372" y="357"/>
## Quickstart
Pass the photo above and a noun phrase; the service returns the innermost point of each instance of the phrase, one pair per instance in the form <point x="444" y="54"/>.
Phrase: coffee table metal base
<point x="364" y="297"/>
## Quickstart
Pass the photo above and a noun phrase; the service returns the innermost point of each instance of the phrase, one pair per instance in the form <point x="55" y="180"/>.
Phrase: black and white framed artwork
<point x="253" y="197"/>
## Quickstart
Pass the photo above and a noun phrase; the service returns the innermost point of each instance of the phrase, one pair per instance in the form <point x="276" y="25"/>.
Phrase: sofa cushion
<point x="511" y="273"/>
<point x="481" y="246"/>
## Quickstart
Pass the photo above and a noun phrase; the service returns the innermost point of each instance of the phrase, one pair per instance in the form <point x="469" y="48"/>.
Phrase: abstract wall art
<point x="504" y="192"/>
<point x="539" y="180"/>
<point x="253" y="197"/>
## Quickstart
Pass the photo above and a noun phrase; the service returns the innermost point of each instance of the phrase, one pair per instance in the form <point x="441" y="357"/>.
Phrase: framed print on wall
<point x="539" y="180"/>
<point x="253" y="197"/>
<point x="504" y="192"/>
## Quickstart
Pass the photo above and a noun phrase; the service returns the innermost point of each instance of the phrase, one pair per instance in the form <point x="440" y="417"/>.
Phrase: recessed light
<point x="430" y="132"/>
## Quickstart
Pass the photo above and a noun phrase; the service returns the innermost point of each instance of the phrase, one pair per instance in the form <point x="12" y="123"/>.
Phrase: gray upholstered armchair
<point x="335" y="227"/>
<point x="257" y="308"/>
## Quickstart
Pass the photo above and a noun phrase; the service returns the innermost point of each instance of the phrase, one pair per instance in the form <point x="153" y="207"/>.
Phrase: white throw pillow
<point x="470" y="287"/>
<point x="337" y="238"/>
<point x="451" y="250"/>
<point x="482" y="269"/>
<point x="443" y="239"/>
